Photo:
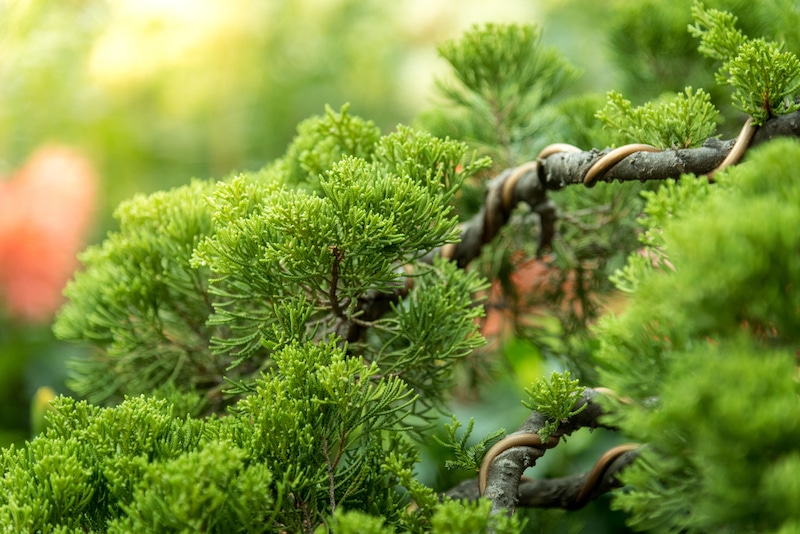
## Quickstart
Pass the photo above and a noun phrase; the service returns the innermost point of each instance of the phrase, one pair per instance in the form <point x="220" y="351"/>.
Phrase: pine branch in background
<point x="506" y="83"/>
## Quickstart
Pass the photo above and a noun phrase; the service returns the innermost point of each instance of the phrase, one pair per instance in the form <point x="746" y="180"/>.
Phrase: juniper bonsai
<point x="271" y="350"/>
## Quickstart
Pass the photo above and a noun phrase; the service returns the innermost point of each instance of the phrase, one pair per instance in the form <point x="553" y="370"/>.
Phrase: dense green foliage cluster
<point x="272" y="347"/>
<point x="203" y="283"/>
<point x="714" y="307"/>
<point x="321" y="434"/>
<point x="682" y="121"/>
<point x="555" y="399"/>
<point x="764" y="76"/>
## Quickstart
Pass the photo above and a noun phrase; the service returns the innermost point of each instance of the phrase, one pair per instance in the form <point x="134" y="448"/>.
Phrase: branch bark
<point x="556" y="492"/>
<point x="506" y="468"/>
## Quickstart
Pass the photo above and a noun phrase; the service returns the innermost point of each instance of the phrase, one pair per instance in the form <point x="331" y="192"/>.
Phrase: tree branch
<point x="502" y="466"/>
<point x="561" y="492"/>
<point x="558" y="166"/>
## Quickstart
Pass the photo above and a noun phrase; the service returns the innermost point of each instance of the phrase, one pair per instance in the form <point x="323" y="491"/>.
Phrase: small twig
<point x="333" y="299"/>
<point x="331" y="476"/>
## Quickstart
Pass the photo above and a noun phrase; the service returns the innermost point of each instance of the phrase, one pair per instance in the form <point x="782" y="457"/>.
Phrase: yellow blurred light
<point x="147" y="37"/>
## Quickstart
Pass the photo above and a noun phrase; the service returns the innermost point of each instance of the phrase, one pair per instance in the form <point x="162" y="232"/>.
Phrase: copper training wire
<point x="513" y="440"/>
<point x="739" y="146"/>
<point x="598" y="471"/>
<point x="607" y="162"/>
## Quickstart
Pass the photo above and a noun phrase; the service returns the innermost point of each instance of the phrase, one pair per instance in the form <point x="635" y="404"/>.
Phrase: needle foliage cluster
<point x="707" y="351"/>
<point x="682" y="121"/>
<point x="764" y="76"/>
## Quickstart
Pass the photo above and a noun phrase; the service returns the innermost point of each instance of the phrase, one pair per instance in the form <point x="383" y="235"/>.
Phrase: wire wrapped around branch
<point x="502" y="467"/>
<point x="567" y="493"/>
<point x="561" y="165"/>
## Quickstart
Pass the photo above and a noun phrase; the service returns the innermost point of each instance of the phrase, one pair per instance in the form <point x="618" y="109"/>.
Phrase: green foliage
<point x="265" y="283"/>
<point x="505" y="78"/>
<point x="324" y="140"/>
<point x="141" y="303"/>
<point x="765" y="78"/>
<point x="355" y="523"/>
<point x="431" y="330"/>
<point x="266" y="274"/>
<point x="724" y="314"/>
<point x="684" y="121"/>
<point x="225" y="491"/>
<point x="672" y="200"/>
<point x="311" y="438"/>
<point x="719" y="456"/>
<point x="455" y="518"/>
<point x="555" y="399"/>
<point x="466" y="457"/>
<point x="253" y="265"/>
<point x="719" y="38"/>
<point x="653" y="52"/>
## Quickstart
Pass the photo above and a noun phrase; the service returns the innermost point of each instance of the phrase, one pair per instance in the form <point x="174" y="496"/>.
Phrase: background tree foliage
<point x="270" y="351"/>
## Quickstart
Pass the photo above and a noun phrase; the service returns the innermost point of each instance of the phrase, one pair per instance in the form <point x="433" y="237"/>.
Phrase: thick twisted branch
<point x="559" y="166"/>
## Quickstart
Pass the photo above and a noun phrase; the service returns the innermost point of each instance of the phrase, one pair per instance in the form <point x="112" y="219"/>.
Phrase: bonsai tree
<point x="271" y="350"/>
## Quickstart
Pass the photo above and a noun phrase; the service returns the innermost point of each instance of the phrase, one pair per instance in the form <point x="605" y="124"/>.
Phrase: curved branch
<point x="564" y="492"/>
<point x="504" y="464"/>
<point x="561" y="165"/>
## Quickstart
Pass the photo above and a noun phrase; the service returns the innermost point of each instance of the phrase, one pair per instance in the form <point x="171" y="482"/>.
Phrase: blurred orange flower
<point x="46" y="208"/>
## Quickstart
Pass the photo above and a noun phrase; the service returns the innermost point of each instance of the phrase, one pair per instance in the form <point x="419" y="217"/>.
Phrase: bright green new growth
<point x="468" y="458"/>
<point x="765" y="78"/>
<point x="682" y="121"/>
<point x="313" y="437"/>
<point x="555" y="399"/>
<point x="323" y="141"/>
